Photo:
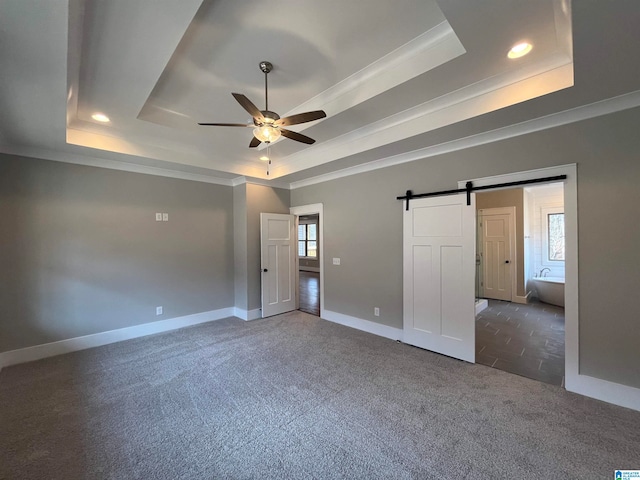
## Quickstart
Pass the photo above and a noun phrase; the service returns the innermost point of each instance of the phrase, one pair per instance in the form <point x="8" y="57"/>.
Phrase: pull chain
<point x="269" y="157"/>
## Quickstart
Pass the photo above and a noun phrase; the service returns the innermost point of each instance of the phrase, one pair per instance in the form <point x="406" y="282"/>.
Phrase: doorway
<point x="309" y="264"/>
<point x="573" y="381"/>
<point x="496" y="260"/>
<point x="310" y="258"/>
<point x="521" y="252"/>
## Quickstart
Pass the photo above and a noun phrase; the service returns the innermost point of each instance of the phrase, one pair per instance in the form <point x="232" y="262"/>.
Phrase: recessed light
<point x="100" y="117"/>
<point x="520" y="50"/>
<point x="264" y="158"/>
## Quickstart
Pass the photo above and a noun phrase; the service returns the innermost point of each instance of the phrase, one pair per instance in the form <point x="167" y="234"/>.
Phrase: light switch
<point x="336" y="261"/>
<point x="165" y="217"/>
<point x="158" y="217"/>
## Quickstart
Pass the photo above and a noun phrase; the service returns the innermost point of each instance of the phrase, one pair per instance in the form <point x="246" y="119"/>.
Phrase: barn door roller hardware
<point x="470" y="188"/>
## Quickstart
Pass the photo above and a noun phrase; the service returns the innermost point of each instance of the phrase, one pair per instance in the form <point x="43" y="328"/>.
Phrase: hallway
<point x="310" y="292"/>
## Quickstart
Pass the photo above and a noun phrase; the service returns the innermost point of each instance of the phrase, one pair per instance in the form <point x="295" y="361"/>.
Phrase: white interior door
<point x="278" y="243"/>
<point x="439" y="275"/>
<point x="497" y="255"/>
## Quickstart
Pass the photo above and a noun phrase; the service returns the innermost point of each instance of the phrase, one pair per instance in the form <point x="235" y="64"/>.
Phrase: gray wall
<point x="81" y="252"/>
<point x="509" y="198"/>
<point x="240" y="245"/>
<point x="363" y="226"/>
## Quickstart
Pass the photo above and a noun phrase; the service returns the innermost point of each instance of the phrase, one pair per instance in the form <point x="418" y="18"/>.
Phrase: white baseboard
<point x="604" y="390"/>
<point x="481" y="304"/>
<point x="247" y="314"/>
<point x="523" y="300"/>
<point x="37" y="352"/>
<point x="304" y="268"/>
<point x="364" y="325"/>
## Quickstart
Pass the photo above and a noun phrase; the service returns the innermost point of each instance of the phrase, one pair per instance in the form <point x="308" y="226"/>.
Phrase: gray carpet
<point x="296" y="397"/>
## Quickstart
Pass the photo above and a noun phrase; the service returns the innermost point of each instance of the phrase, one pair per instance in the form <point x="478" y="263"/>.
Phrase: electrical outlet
<point x="165" y="217"/>
<point x="376" y="311"/>
<point x="158" y="310"/>
<point x="158" y="217"/>
<point x="336" y="261"/>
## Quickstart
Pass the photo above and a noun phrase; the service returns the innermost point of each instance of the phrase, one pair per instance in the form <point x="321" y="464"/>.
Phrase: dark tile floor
<point x="310" y="293"/>
<point x="527" y="340"/>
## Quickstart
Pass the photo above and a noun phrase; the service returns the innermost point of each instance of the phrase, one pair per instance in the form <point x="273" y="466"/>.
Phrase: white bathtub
<point x="550" y="290"/>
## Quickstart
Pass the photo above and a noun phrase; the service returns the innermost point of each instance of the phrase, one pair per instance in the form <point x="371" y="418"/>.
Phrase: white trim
<point x="584" y="112"/>
<point x="259" y="181"/>
<point x="45" y="350"/>
<point x="549" y="75"/>
<point x="569" y="169"/>
<point x="365" y="325"/>
<point x="606" y="391"/>
<point x="522" y="300"/>
<point x="247" y="315"/>
<point x="572" y="375"/>
<point x="309" y="210"/>
<point x="481" y="304"/>
<point x="90" y="161"/>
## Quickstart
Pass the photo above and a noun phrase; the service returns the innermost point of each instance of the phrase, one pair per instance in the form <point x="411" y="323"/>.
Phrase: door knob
<point x="507" y="261"/>
<point x="265" y="270"/>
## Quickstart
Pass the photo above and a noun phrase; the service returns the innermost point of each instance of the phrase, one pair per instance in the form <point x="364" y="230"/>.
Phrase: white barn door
<point x="277" y="243"/>
<point x="439" y="275"/>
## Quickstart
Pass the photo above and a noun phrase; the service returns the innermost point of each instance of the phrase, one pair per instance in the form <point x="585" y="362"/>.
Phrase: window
<point x="552" y="236"/>
<point x="555" y="237"/>
<point x="308" y="240"/>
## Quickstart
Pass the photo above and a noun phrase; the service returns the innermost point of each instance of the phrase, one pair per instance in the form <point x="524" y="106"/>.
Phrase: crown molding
<point x="259" y="181"/>
<point x="549" y="75"/>
<point x="110" y="164"/>
<point x="110" y="142"/>
<point x="584" y="112"/>
<point x="416" y="57"/>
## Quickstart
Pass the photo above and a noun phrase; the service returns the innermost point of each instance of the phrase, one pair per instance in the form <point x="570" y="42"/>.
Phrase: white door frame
<point x="511" y="211"/>
<point x="607" y="391"/>
<point x="574" y="382"/>
<point x="312" y="209"/>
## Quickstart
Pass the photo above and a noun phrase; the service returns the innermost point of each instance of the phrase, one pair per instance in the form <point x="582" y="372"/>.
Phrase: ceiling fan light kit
<point x="267" y="125"/>
<point x="266" y="133"/>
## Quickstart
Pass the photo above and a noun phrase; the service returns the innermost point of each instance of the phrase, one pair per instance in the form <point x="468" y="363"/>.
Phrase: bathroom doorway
<point x="521" y="329"/>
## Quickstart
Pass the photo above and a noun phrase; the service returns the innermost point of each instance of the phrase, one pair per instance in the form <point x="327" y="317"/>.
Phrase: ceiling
<point x="398" y="80"/>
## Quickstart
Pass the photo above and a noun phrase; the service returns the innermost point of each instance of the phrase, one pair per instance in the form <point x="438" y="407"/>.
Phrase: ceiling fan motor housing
<point x="267" y="114"/>
<point x="266" y="67"/>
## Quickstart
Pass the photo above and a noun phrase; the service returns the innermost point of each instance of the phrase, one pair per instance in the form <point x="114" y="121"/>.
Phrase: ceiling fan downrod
<point x="266" y="67"/>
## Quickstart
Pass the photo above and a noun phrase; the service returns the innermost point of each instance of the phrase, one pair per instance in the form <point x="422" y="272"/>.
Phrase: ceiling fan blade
<point x="298" y="137"/>
<point x="254" y="142"/>
<point x="249" y="106"/>
<point x="226" y="124"/>
<point x="301" y="118"/>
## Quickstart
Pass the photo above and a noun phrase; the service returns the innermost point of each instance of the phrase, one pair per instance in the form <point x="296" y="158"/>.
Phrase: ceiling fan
<point x="267" y="125"/>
